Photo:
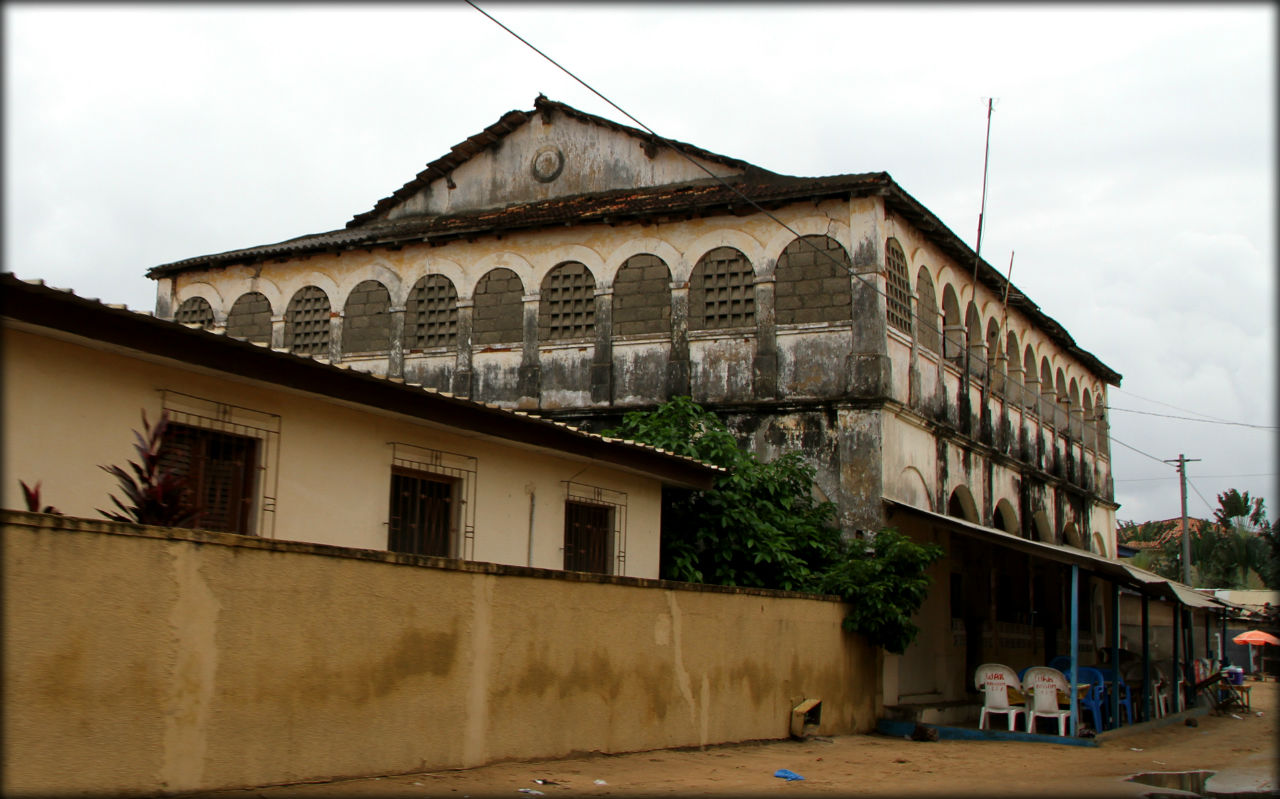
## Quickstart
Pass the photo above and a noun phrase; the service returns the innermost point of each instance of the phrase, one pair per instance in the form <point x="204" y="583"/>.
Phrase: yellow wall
<point x="69" y="408"/>
<point x="140" y="660"/>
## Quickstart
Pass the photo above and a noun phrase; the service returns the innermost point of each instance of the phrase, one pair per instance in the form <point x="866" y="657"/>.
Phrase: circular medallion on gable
<point x="548" y="162"/>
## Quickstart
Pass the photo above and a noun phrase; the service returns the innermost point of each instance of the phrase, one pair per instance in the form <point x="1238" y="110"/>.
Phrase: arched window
<point x="897" y="287"/>
<point x="250" y="318"/>
<point x="499" y="308"/>
<point x="1006" y="517"/>
<point x="813" y="282"/>
<point x="642" y="297"/>
<point x="974" y="340"/>
<point x="995" y="363"/>
<point x="1090" y="428"/>
<point x="306" y="322"/>
<point x="722" y="291"/>
<point x="195" y="311"/>
<point x="366" y="319"/>
<point x="567" y="304"/>
<point x="927" y="321"/>
<point x="952" y="331"/>
<point x="961" y="505"/>
<point x="431" y="314"/>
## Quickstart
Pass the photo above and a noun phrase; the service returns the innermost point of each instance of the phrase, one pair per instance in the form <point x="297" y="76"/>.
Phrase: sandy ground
<point x="1243" y="751"/>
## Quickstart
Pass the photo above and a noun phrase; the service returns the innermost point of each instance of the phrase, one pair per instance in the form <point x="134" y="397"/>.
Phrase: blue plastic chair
<point x="1095" y="701"/>
<point x="1126" y="699"/>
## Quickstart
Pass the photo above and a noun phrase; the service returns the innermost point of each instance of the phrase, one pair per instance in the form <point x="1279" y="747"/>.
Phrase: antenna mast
<point x="986" y="153"/>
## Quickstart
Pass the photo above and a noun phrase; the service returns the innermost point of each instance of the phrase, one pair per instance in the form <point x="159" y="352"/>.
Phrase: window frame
<point x="442" y="466"/>
<point x="615" y="502"/>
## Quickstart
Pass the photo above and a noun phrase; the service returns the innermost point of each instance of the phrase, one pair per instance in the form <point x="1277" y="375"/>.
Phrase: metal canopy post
<point x="1115" y="655"/>
<point x="1075" y="646"/>
<point x="1148" y="708"/>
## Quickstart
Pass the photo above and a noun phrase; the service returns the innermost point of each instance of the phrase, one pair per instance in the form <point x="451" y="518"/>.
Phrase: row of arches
<point x="811" y="284"/>
<point x="1013" y="369"/>
<point x="961" y="505"/>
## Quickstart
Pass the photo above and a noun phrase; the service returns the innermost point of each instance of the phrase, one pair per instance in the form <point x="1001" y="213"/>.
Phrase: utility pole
<point x="1182" y="462"/>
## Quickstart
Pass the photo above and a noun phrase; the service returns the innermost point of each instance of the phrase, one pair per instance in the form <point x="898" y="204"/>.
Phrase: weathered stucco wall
<point x="142" y="660"/>
<point x="331" y="475"/>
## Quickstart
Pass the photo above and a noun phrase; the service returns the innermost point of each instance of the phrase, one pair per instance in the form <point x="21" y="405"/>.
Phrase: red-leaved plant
<point x="32" y="496"/>
<point x="152" y="494"/>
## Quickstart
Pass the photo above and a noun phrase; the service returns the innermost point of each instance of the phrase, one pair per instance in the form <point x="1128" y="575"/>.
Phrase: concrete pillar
<point x="764" y="370"/>
<point x="678" y="372"/>
<point x="602" y="357"/>
<point x="164" y="298"/>
<point x="530" y="380"/>
<point x="335" y="337"/>
<point x="277" y="331"/>
<point x="462" y="363"/>
<point x="395" y="347"/>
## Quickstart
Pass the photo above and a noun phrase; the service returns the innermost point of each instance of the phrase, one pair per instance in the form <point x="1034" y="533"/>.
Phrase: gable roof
<point x="510" y="121"/>
<point x="33" y="304"/>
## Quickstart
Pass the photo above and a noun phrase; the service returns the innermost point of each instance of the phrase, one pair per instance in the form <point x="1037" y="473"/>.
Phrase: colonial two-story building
<point x="564" y="264"/>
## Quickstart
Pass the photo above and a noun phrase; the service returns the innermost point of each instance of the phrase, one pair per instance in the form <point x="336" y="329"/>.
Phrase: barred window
<point x="250" y="318"/>
<point x="432" y="312"/>
<point x="813" y="282"/>
<point x="432" y="508"/>
<point x="898" y="287"/>
<point x="642" y="296"/>
<point x="195" y="311"/>
<point x="306" y="322"/>
<point x="228" y="455"/>
<point x="567" y="305"/>
<point x="595" y="524"/>
<point x="722" y="291"/>
<point x="499" y="308"/>
<point x="366" y="323"/>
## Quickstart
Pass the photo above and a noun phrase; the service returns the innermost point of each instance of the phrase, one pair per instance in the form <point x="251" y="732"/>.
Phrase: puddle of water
<point x="1183" y="782"/>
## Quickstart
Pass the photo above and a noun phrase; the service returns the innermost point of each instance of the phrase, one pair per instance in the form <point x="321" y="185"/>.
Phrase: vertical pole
<point x="1115" y="655"/>
<point x="1177" y="659"/>
<point x="1182" y="462"/>
<point x="1075" y="646"/>
<point x="1148" y="709"/>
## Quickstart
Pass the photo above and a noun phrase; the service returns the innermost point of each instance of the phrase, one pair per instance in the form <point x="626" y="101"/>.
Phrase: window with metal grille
<point x="928" y="328"/>
<point x="499" y="308"/>
<point x="642" y="296"/>
<point x="813" y="282"/>
<point x="594" y="529"/>
<point x="423" y="514"/>
<point x="250" y="318"/>
<point x="722" y="291"/>
<point x="306" y="322"/>
<point x="221" y="471"/>
<point x="366" y="319"/>
<point x="567" y="303"/>
<point x="432" y="508"/>
<point x="897" y="287"/>
<point x="432" y="314"/>
<point x="195" y="311"/>
<point x="228" y="454"/>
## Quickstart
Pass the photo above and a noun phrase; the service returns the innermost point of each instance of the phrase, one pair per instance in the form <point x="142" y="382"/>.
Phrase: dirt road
<point x="1242" y="750"/>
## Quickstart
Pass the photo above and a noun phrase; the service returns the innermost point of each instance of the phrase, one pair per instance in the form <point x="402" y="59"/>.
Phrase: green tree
<point x="761" y="526"/>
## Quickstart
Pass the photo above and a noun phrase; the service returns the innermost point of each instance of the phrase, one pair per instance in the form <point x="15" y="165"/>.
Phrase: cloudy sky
<point x="1131" y="164"/>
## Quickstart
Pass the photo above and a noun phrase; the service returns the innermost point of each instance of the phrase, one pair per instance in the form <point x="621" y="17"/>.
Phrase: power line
<point x="1205" y="476"/>
<point x="931" y="326"/>
<point x="1192" y="419"/>
<point x="1198" y="494"/>
<point x="1167" y="405"/>
<point x="1115" y="440"/>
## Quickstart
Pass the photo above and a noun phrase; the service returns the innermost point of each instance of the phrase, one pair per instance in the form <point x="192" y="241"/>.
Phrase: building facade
<point x="563" y="264"/>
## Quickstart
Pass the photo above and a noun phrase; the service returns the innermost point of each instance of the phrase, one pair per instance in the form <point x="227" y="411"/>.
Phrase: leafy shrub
<point x="152" y="494"/>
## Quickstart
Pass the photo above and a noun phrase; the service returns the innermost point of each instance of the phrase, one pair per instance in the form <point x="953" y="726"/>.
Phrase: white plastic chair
<point x="1044" y="683"/>
<point x="995" y="680"/>
<point x="1161" y="693"/>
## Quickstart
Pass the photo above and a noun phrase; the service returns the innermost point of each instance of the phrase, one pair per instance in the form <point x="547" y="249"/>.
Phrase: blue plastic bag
<point x="787" y="774"/>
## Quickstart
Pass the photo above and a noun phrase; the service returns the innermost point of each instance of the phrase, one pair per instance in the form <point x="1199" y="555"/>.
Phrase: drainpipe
<point x="1075" y="646"/>
<point x="532" y="502"/>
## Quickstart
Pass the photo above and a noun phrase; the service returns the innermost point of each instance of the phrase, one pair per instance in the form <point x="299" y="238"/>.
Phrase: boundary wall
<point x="144" y="660"/>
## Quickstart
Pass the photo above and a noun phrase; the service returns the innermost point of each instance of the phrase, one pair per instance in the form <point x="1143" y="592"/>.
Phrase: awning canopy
<point x="1124" y="574"/>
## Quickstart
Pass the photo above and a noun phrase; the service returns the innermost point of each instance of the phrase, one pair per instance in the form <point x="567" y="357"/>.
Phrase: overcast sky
<point x="1131" y="166"/>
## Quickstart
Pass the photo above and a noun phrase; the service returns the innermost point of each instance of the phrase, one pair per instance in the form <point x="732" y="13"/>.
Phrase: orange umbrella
<point x="1255" y="638"/>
